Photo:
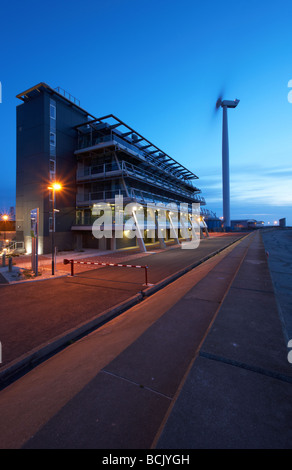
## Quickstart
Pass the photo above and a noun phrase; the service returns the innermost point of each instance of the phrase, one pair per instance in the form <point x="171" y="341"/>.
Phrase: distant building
<point x="246" y="224"/>
<point x="282" y="222"/>
<point x="214" y="223"/>
<point x="95" y="159"/>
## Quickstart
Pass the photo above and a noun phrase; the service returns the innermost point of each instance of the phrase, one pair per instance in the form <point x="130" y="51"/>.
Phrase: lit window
<point x="52" y="166"/>
<point x="52" y="111"/>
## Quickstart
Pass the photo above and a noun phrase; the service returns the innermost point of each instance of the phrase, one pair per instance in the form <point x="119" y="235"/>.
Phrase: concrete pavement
<point x="39" y="317"/>
<point x="199" y="364"/>
<point x="278" y="245"/>
<point x="238" y="393"/>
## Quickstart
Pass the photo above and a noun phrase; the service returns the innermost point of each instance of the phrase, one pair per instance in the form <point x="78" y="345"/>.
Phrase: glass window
<point x="52" y="111"/>
<point x="52" y="166"/>
<point x="53" y="139"/>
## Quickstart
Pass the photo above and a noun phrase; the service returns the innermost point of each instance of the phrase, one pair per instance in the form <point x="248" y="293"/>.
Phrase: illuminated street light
<point x="54" y="187"/>
<point x="5" y="218"/>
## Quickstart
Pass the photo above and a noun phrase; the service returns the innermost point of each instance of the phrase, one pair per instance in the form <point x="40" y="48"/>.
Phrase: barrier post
<point x="72" y="267"/>
<point x="67" y="261"/>
<point x="146" y="275"/>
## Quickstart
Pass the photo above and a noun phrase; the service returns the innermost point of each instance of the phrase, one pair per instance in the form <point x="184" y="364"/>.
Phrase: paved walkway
<point x="238" y="393"/>
<point x="38" y="316"/>
<point x="199" y="364"/>
<point x="278" y="245"/>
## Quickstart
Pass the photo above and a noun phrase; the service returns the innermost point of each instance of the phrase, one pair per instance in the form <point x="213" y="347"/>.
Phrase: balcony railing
<point x="132" y="170"/>
<point x="88" y="141"/>
<point x="97" y="171"/>
<point x="68" y="95"/>
<point x="136" y="194"/>
<point x="145" y="197"/>
<point x="99" y="196"/>
<point x="128" y="169"/>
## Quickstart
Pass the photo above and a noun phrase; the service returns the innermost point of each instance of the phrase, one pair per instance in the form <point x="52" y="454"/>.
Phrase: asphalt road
<point x="34" y="313"/>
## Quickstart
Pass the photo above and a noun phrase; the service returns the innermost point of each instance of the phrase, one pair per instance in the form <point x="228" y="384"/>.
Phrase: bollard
<point x="72" y="267"/>
<point x="146" y="277"/>
<point x="10" y="264"/>
<point x="3" y="260"/>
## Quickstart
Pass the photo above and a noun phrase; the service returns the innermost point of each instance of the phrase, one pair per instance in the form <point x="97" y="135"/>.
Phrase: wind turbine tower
<point x="225" y="158"/>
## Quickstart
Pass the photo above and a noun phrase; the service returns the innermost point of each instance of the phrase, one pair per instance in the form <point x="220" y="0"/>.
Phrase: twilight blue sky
<point x="159" y="65"/>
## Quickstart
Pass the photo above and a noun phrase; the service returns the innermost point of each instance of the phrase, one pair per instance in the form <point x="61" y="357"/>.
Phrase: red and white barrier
<point x="72" y="262"/>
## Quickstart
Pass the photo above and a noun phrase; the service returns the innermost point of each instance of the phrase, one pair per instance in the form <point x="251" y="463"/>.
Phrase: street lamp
<point x="54" y="187"/>
<point x="5" y="218"/>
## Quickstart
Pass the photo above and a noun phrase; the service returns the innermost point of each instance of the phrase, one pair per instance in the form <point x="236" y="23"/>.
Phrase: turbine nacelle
<point x="228" y="103"/>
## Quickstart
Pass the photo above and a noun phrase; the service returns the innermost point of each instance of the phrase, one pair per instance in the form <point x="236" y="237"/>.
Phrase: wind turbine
<point x="225" y="158"/>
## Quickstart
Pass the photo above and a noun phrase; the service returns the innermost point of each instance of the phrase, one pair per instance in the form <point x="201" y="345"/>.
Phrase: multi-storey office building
<point x="95" y="160"/>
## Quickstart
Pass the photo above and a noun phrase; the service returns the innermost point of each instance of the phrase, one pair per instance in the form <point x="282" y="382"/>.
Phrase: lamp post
<point x="54" y="187"/>
<point x="5" y="218"/>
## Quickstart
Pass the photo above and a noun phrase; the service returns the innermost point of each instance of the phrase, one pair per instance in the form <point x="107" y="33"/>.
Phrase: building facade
<point x="95" y="160"/>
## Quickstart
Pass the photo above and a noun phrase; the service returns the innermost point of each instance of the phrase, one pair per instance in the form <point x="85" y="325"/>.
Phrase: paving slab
<point x="246" y="331"/>
<point x="93" y="420"/>
<point x="161" y="356"/>
<point x="228" y="407"/>
<point x="238" y="392"/>
<point x="248" y="328"/>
